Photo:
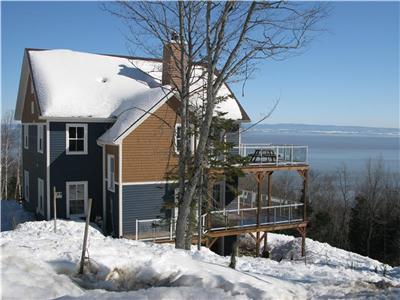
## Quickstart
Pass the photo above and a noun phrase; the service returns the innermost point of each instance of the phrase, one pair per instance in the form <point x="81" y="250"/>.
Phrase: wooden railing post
<point x="260" y="179"/>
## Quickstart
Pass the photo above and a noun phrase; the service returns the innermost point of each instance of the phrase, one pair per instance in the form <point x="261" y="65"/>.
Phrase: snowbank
<point x="12" y="214"/>
<point x="43" y="264"/>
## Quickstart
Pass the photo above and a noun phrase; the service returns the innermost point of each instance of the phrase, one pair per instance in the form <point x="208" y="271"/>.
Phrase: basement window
<point x="76" y="139"/>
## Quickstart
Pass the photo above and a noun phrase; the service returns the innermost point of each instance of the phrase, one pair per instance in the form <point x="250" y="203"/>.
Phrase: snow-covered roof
<point x="71" y="84"/>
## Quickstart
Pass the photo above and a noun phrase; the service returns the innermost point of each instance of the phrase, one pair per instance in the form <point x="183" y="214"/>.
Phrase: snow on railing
<point x="267" y="154"/>
<point x="247" y="217"/>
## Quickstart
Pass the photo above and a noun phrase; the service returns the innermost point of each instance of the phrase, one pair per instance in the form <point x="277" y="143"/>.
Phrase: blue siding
<point x="145" y="201"/>
<point x="35" y="163"/>
<point x="87" y="167"/>
<point x="112" y="212"/>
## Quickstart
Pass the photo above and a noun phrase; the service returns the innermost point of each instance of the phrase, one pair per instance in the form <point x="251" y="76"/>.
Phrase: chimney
<point x="171" y="64"/>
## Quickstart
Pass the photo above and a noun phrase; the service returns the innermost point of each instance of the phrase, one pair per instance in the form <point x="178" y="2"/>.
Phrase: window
<point x="32" y="107"/>
<point x="40" y="138"/>
<point x="110" y="173"/>
<point x="26" y="185"/>
<point x="76" y="136"/>
<point x="76" y="198"/>
<point x="176" y="204"/>
<point x="26" y="136"/>
<point x="178" y="137"/>
<point x="40" y="205"/>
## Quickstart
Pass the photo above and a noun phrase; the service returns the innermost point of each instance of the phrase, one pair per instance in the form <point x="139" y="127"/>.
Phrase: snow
<point x="12" y="214"/>
<point x="43" y="264"/>
<point x="131" y="113"/>
<point x="78" y="84"/>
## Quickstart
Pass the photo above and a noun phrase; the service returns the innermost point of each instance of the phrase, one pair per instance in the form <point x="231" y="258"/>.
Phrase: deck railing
<point x="247" y="217"/>
<point x="164" y="229"/>
<point x="155" y="229"/>
<point x="267" y="154"/>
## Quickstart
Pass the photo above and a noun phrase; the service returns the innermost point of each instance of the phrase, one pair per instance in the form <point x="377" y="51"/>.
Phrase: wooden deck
<point x="252" y="229"/>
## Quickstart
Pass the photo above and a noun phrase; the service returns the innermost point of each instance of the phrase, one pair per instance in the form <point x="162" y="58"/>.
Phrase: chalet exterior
<point x="106" y="127"/>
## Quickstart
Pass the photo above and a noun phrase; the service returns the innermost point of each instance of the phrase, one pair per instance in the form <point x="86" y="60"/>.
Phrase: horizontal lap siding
<point x="147" y="201"/>
<point x="65" y="168"/>
<point x="35" y="163"/>
<point x="148" y="152"/>
<point x="112" y="212"/>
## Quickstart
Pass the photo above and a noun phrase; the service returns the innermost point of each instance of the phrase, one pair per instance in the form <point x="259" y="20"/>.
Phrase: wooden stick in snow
<point x="85" y="236"/>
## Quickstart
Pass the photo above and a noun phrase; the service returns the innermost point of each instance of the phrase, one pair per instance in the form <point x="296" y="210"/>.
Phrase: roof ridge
<point x="105" y="54"/>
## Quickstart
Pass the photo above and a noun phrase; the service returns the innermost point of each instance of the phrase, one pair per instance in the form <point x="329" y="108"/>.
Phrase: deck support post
<point x="304" y="196"/>
<point x="260" y="179"/>
<point x="303" y="243"/>
<point x="210" y="188"/>
<point x="303" y="233"/>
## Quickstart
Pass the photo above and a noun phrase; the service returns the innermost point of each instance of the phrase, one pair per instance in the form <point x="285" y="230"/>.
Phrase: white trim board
<point x="78" y="119"/>
<point x="120" y="190"/>
<point x="149" y="182"/>
<point x="48" y="168"/>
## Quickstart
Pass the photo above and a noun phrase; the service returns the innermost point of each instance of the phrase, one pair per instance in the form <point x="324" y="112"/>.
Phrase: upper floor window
<point x="40" y="138"/>
<point x="76" y="139"/>
<point x="26" y="136"/>
<point x="177" y="137"/>
<point x="110" y="173"/>
<point x="32" y="107"/>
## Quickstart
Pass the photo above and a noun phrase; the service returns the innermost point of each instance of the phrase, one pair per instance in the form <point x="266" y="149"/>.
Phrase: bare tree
<point x="9" y="149"/>
<point x="224" y="42"/>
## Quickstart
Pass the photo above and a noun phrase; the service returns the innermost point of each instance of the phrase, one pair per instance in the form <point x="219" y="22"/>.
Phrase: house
<point x="106" y="127"/>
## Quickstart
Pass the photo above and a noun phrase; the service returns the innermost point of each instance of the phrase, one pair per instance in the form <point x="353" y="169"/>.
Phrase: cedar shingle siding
<point x="148" y="152"/>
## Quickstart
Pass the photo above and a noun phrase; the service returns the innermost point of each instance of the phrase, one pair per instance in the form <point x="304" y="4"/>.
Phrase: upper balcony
<point x="268" y="155"/>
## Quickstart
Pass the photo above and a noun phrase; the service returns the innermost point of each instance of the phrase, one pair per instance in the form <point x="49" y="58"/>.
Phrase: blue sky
<point x="348" y="76"/>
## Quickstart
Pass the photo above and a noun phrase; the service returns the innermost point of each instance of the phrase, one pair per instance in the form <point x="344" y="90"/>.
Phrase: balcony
<point x="273" y="155"/>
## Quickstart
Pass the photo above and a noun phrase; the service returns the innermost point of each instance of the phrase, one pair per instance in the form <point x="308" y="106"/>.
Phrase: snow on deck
<point x="40" y="263"/>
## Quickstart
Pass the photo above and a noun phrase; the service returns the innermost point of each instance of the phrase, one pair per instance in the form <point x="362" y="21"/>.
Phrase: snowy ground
<point x="12" y="214"/>
<point x="37" y="263"/>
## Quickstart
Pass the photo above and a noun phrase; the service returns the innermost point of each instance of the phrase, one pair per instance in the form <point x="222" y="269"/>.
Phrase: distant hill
<point x="307" y="129"/>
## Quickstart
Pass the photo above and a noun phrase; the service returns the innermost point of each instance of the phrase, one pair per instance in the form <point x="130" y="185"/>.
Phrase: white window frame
<point x="40" y="143"/>
<point x="26" y="185"/>
<point x="176" y="204"/>
<point x="110" y="175"/>
<point x="177" y="125"/>
<point x="85" y="195"/>
<point x="85" y="139"/>
<point x="32" y="107"/>
<point x="40" y="204"/>
<point x="26" y="136"/>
